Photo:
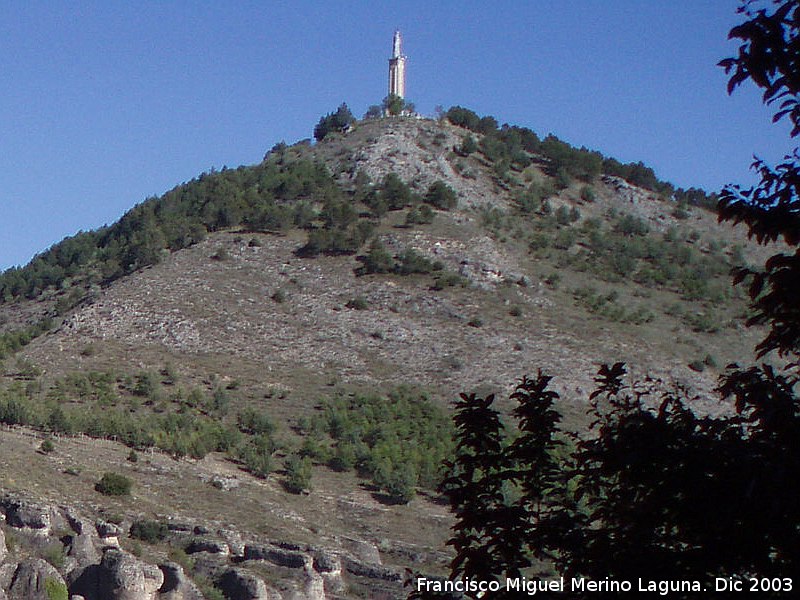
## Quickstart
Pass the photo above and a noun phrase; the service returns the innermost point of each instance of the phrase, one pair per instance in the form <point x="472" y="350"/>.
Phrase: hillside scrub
<point x="512" y="145"/>
<point x="398" y="441"/>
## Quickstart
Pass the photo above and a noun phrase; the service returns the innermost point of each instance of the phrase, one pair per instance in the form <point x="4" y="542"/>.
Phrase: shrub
<point x="298" y="474"/>
<point x="394" y="192"/>
<point x="149" y="531"/>
<point x="114" y="484"/>
<point x="441" y="195"/>
<point x="221" y="254"/>
<point x="358" y="303"/>
<point x="47" y="446"/>
<point x="468" y="146"/>
<point x="412" y="261"/>
<point x="255" y="423"/>
<point x="334" y="122"/>
<point x="377" y="260"/>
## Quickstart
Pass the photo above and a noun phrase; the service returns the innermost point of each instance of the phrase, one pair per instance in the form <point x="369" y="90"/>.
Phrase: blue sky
<point x="104" y="104"/>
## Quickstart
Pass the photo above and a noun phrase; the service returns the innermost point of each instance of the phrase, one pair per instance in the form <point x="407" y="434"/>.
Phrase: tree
<point x="442" y="196"/>
<point x="771" y="209"/>
<point x="395" y="105"/>
<point x="113" y="484"/>
<point x="337" y="121"/>
<point x="394" y="192"/>
<point x="298" y="474"/>
<point x="374" y="112"/>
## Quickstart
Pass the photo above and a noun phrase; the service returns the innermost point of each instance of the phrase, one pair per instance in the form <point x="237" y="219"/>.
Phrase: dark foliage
<point x="334" y="122"/>
<point x="275" y="195"/>
<point x="113" y="484"/>
<point x="151" y="532"/>
<point x="394" y="105"/>
<point x="771" y="209"/>
<point x="442" y="196"/>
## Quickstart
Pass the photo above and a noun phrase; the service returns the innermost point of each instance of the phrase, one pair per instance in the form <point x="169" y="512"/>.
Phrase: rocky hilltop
<point x="530" y="268"/>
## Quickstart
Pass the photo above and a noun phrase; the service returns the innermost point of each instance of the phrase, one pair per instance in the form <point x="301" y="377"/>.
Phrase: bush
<point x="358" y="303"/>
<point x="394" y="192"/>
<point x="298" y="474"/>
<point x="149" y="531"/>
<point x="467" y="147"/>
<point x="441" y="195"/>
<point x="47" y="446"/>
<point x="114" y="484"/>
<point x="377" y="260"/>
<point x="412" y="261"/>
<point x="334" y="122"/>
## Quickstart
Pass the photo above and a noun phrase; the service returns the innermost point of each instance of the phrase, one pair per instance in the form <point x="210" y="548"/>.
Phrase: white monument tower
<point x="397" y="68"/>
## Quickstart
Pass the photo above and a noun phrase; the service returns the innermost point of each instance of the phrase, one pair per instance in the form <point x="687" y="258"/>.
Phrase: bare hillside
<point x="588" y="272"/>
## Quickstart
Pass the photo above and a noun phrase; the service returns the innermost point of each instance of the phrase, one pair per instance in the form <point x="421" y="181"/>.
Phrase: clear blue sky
<point x="103" y="104"/>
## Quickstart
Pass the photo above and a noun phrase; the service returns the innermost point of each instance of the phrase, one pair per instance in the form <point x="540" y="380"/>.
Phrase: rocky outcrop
<point x="206" y="545"/>
<point x="124" y="577"/>
<point x="35" y="579"/>
<point x="96" y="568"/>
<point x="275" y="555"/>
<point x="237" y="584"/>
<point x="30" y="516"/>
<point x="177" y="586"/>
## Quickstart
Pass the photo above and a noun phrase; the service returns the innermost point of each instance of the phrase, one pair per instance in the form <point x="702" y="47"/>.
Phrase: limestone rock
<point x="31" y="580"/>
<point x="177" y="586"/>
<point x="206" y="545"/>
<point x="275" y="555"/>
<point x="28" y="515"/>
<point x="364" y="551"/>
<point x="240" y="585"/>
<point x="124" y="577"/>
<point x="3" y="547"/>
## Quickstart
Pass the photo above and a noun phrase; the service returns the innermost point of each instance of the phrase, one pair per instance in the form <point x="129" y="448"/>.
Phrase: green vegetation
<point x="114" y="484"/>
<point x="139" y="410"/>
<point x="298" y="474"/>
<point x="394" y="105"/>
<point x="334" y="122"/>
<point x="148" y="531"/>
<point x="12" y="341"/>
<point x="441" y="196"/>
<point x="55" y="590"/>
<point x="276" y="195"/>
<point x="514" y="146"/>
<point x="398" y="441"/>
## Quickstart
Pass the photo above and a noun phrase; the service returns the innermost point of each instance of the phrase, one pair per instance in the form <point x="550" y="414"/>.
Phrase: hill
<point x="312" y="316"/>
